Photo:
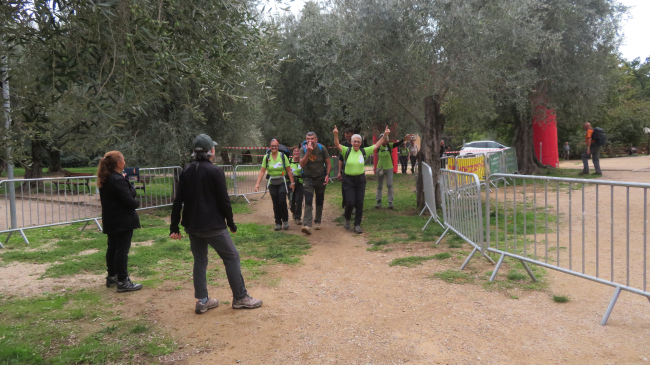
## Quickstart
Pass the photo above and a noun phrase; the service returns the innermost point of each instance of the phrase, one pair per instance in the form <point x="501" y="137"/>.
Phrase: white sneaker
<point x="317" y="226"/>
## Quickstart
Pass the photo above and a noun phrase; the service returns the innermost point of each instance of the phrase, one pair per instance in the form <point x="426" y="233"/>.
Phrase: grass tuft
<point x="454" y="276"/>
<point x="560" y="299"/>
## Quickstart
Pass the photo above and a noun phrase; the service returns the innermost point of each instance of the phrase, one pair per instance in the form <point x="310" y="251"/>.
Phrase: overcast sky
<point x="636" y="29"/>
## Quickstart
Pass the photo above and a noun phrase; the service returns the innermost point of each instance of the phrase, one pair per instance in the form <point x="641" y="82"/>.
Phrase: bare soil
<point x="345" y="305"/>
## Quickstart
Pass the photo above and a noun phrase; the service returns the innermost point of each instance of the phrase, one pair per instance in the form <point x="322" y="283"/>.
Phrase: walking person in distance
<point x="297" y="195"/>
<point x="202" y="197"/>
<point x="279" y="169"/>
<point x="593" y="151"/>
<point x="316" y="168"/>
<point x="119" y="218"/>
<point x="384" y="169"/>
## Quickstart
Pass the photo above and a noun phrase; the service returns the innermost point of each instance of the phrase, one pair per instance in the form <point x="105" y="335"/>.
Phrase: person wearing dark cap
<point x="202" y="196"/>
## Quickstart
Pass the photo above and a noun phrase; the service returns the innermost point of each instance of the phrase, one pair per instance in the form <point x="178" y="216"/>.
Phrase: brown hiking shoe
<point x="246" y="302"/>
<point x="317" y="226"/>
<point x="306" y="230"/>
<point x="202" y="308"/>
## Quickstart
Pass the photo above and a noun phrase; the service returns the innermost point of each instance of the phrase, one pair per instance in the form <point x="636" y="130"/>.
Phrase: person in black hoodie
<point x="202" y="196"/>
<point x="119" y="218"/>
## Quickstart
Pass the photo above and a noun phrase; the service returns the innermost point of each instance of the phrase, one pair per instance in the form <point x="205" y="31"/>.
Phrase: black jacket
<point x="202" y="195"/>
<point x="118" y="204"/>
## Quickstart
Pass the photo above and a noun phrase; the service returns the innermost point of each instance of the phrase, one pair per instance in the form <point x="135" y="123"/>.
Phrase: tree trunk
<point x="224" y="157"/>
<point x="527" y="162"/>
<point x="35" y="170"/>
<point x="55" y="160"/>
<point x="434" y="124"/>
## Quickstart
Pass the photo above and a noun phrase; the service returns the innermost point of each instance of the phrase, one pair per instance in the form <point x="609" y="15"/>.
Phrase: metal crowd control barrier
<point x="461" y="207"/>
<point x="473" y="164"/>
<point x="593" y="229"/>
<point x="49" y="202"/>
<point x="429" y="195"/>
<point x="229" y="172"/>
<point x="245" y="177"/>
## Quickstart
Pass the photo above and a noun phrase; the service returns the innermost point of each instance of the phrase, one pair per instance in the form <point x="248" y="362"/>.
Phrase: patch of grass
<point x="58" y="329"/>
<point x="560" y="299"/>
<point x="442" y="256"/>
<point x="454" y="276"/>
<point x="516" y="276"/>
<point x="139" y="328"/>
<point x="514" y="297"/>
<point x="412" y="261"/>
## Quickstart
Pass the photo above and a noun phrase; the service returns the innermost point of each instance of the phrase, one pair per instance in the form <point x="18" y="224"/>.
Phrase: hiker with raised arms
<point x="384" y="169"/>
<point x="354" y="181"/>
<point x="279" y="169"/>
<point x="316" y="168"/>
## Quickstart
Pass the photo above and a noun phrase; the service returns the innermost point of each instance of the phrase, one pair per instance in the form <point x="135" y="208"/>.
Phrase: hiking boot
<point x="111" y="281"/>
<point x="378" y="205"/>
<point x="306" y="230"/>
<point x="598" y="173"/>
<point x="246" y="302"/>
<point x="298" y="222"/>
<point x="202" y="308"/>
<point x="390" y="206"/>
<point x="347" y="224"/>
<point x="584" y="173"/>
<point x="357" y="229"/>
<point x="317" y="226"/>
<point x="127" y="285"/>
<point x="278" y="227"/>
<point x="285" y="225"/>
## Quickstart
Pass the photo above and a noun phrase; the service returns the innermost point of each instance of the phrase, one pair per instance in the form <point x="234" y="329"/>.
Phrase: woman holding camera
<point x="279" y="168"/>
<point x="119" y="218"/>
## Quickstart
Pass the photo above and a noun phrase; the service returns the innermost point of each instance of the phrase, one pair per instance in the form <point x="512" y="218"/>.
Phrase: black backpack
<point x="599" y="137"/>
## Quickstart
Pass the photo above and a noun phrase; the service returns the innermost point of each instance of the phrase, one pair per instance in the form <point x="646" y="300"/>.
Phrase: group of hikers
<point x="307" y="174"/>
<point x="202" y="205"/>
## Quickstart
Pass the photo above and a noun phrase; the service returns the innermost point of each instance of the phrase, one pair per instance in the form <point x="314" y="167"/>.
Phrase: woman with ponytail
<point x="119" y="219"/>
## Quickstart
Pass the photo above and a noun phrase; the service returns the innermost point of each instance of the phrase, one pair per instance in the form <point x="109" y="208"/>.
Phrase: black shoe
<point x="127" y="285"/>
<point x="598" y="173"/>
<point x="583" y="173"/>
<point x="111" y="281"/>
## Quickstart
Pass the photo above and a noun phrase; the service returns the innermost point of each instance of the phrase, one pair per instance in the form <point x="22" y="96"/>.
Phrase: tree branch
<point x="417" y="119"/>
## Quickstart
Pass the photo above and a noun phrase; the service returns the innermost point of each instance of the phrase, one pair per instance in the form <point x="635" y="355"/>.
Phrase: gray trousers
<point x="222" y="243"/>
<point x="388" y="175"/>
<point x="595" y="157"/>
<point x="310" y="188"/>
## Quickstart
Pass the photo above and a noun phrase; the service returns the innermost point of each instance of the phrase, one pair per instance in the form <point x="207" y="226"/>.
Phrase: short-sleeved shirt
<point x="315" y="167"/>
<point x="296" y="170"/>
<point x="275" y="165"/>
<point x="385" y="160"/>
<point x="414" y="150"/>
<point x="588" y="135"/>
<point x="566" y="147"/>
<point x="354" y="166"/>
<point x="404" y="150"/>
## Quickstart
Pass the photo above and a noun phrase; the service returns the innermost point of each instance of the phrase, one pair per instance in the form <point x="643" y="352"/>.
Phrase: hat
<point x="203" y="143"/>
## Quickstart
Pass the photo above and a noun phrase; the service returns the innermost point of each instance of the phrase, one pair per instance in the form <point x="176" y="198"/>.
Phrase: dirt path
<point x="345" y="305"/>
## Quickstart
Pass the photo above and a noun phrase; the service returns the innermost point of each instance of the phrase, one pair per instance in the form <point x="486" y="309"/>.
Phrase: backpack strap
<point x="347" y="154"/>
